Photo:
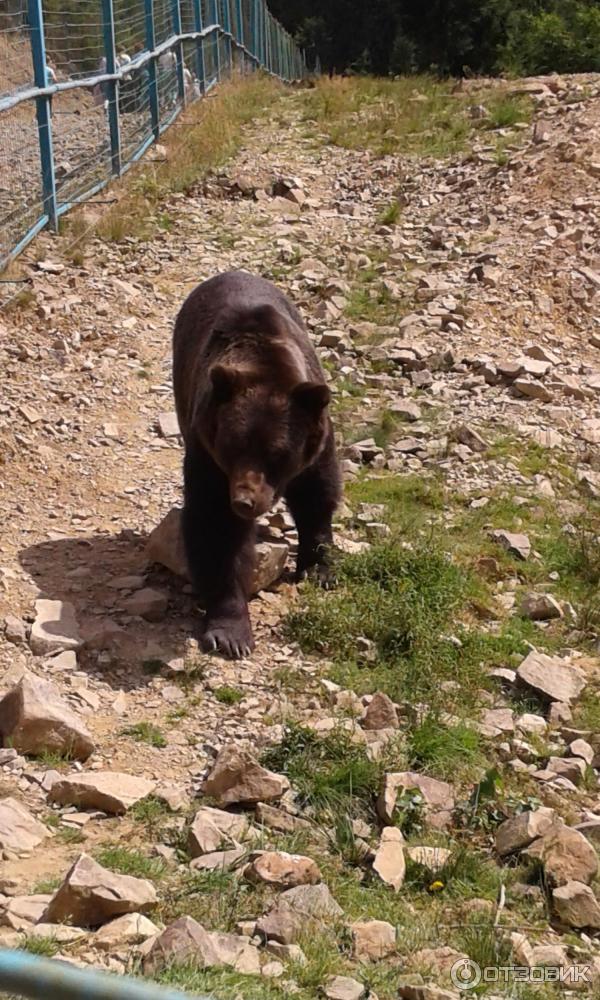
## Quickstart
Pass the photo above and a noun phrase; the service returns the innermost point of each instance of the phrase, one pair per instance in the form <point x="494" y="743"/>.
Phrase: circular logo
<point x="465" y="974"/>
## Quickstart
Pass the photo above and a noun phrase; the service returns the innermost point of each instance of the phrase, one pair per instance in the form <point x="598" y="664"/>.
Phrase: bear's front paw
<point x="321" y="574"/>
<point x="230" y="638"/>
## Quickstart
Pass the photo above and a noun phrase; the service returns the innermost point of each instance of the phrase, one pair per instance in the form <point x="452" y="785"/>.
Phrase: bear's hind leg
<point x="220" y="553"/>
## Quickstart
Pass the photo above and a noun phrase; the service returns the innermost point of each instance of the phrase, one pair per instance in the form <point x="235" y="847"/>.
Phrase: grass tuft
<point x="146" y="732"/>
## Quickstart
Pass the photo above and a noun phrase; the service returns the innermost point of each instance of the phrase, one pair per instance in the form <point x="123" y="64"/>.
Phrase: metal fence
<point x="87" y="85"/>
<point x="41" y="979"/>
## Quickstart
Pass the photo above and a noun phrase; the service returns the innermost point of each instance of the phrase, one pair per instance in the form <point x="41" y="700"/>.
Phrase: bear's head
<point x="262" y="436"/>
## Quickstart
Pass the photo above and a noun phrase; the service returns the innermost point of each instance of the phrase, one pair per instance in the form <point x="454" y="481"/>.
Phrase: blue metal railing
<point x="43" y="979"/>
<point x="123" y="103"/>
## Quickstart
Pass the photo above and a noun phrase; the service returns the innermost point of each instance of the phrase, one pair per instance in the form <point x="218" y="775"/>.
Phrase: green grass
<point x="326" y="770"/>
<point x="407" y="602"/>
<point x="44" y="947"/>
<point x="146" y="732"/>
<point x="416" y="114"/>
<point x="228" y="695"/>
<point x="152" y="812"/>
<point x="47" y="885"/>
<point x="444" y="751"/>
<point x="130" y="861"/>
<point x="390" y="215"/>
<point x="69" y="835"/>
<point x="505" y="111"/>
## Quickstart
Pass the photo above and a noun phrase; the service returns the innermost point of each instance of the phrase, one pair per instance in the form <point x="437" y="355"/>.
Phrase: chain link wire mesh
<point x="67" y="126"/>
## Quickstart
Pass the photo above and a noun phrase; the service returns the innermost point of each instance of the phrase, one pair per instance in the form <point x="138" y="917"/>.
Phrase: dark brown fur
<point x="252" y="406"/>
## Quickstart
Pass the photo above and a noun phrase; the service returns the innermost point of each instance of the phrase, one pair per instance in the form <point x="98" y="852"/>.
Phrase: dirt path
<point x="488" y="258"/>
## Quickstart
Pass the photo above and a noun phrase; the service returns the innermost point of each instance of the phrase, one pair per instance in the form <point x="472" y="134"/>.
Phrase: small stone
<point x="471" y="438"/>
<point x="520" y="831"/>
<point x="294" y="909"/>
<point x="148" y="603"/>
<point x="581" y="748"/>
<point x="55" y="628"/>
<point x="540" y="607"/>
<point x="19" y="830"/>
<point x="343" y="988"/>
<point x="168" y="425"/>
<point x="389" y="862"/>
<point x="373" y="940"/>
<point x="551" y="677"/>
<point x="433" y="858"/>
<point x="283" y="870"/>
<point x="576" y="905"/>
<point x="517" y="545"/>
<point x="566" y="855"/>
<point x="212" y="829"/>
<point x="91" y="895"/>
<point x="15" y="630"/>
<point x="125" y="931"/>
<point x="34" y="719"/>
<point x="111" y="791"/>
<point x="438" y="796"/>
<point x="406" y="409"/>
<point x="236" y="778"/>
<point x="186" y="940"/>
<point x="381" y="713"/>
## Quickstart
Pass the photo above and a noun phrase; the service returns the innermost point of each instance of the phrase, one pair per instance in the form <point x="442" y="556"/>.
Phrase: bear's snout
<point x="251" y="495"/>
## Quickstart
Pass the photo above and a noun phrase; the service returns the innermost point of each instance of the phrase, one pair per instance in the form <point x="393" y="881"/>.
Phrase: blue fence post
<point x="254" y="28"/>
<point x="227" y="26"/>
<point x="43" y="113"/>
<point x="176" y="19"/>
<point x="200" y="71"/>
<point x="217" y="53"/>
<point x="152" y="75"/>
<point x="111" y="87"/>
<point x="241" y="34"/>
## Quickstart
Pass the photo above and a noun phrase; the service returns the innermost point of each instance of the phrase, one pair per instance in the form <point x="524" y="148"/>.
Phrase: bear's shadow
<point x="80" y="570"/>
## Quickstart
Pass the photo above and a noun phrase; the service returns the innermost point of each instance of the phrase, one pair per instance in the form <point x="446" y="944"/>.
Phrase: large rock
<point x="165" y="546"/>
<point x="236" y="778"/>
<point x="551" y="678"/>
<point x="566" y="855"/>
<point x="271" y="558"/>
<point x="373" y="939"/>
<point x="213" y="829"/>
<point x="389" y="861"/>
<point x="186" y="940"/>
<point x="278" y="868"/>
<point x="518" y="545"/>
<point x="381" y="713"/>
<point x="433" y="858"/>
<point x="19" y="830"/>
<point x="576" y="905"/>
<point x="55" y="628"/>
<point x="35" y="719"/>
<point x="520" y="831"/>
<point x="540" y="607"/>
<point x="90" y="895"/>
<point x="293" y="912"/>
<point x="438" y="796"/>
<point x="125" y="931"/>
<point x="111" y="791"/>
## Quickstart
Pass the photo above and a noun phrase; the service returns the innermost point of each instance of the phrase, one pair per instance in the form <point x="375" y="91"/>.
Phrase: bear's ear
<point x="311" y="396"/>
<point x="225" y="382"/>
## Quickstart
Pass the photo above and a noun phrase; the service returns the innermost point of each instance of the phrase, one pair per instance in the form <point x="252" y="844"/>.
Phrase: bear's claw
<point x="234" y="641"/>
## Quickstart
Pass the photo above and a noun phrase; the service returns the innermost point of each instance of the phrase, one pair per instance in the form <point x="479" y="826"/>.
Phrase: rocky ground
<point x="404" y="774"/>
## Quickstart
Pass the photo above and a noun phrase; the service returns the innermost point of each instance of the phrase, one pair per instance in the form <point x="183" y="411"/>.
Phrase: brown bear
<point x="252" y="405"/>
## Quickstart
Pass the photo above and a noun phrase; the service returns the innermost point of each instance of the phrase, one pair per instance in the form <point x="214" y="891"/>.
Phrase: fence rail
<point x="41" y="979"/>
<point x="86" y="86"/>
